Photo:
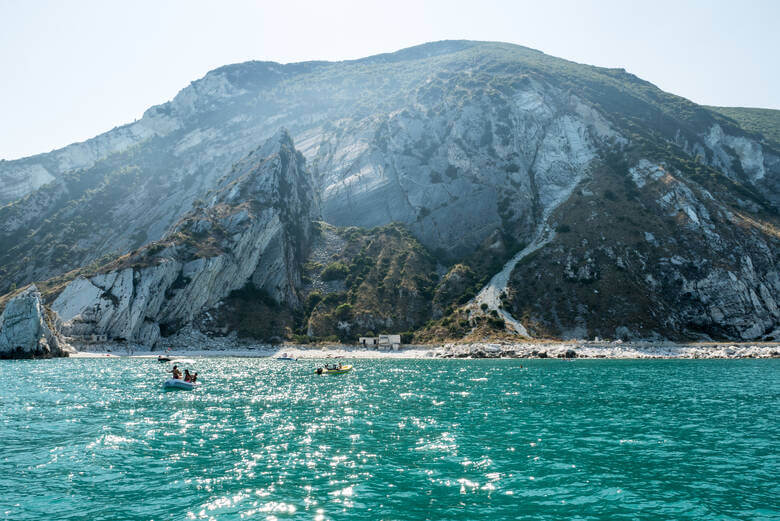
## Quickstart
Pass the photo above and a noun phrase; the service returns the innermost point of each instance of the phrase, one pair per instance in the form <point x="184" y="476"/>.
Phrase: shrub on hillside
<point x="335" y="271"/>
<point x="344" y="311"/>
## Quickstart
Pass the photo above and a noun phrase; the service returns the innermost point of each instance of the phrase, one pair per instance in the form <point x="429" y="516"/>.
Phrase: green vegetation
<point x="390" y="285"/>
<point x="388" y="278"/>
<point x="549" y="302"/>
<point x="335" y="271"/>
<point x="457" y="287"/>
<point x="760" y="121"/>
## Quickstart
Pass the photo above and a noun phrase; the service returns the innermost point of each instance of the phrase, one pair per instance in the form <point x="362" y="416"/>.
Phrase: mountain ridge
<point x="391" y="57"/>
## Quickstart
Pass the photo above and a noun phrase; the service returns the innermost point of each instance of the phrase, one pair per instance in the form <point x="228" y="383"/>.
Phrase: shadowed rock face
<point x="254" y="228"/>
<point x="25" y="331"/>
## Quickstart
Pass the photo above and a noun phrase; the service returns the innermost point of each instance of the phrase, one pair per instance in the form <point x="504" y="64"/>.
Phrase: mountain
<point x="525" y="194"/>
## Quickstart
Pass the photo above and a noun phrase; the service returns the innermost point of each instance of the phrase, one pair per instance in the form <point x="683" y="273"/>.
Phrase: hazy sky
<point x="73" y="69"/>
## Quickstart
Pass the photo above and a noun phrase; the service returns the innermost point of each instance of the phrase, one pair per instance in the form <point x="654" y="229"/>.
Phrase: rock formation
<point x="28" y="329"/>
<point x="253" y="229"/>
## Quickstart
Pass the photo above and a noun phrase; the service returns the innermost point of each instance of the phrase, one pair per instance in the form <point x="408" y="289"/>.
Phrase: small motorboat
<point x="175" y="383"/>
<point x="162" y="358"/>
<point x="285" y="356"/>
<point x="323" y="370"/>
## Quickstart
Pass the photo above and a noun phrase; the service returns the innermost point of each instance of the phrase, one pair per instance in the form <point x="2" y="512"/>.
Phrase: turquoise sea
<point x="98" y="439"/>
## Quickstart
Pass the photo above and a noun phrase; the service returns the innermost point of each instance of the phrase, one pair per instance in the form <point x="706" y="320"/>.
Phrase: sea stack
<point x="27" y="331"/>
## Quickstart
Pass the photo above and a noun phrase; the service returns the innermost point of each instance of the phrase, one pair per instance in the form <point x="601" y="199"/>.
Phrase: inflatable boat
<point x="172" y="383"/>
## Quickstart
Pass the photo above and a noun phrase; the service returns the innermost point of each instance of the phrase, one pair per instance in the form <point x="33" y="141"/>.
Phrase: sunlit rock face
<point x="26" y="331"/>
<point x="496" y="163"/>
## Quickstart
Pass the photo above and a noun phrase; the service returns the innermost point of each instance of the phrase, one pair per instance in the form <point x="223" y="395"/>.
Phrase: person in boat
<point x="187" y="376"/>
<point x="340" y="366"/>
<point x="194" y="378"/>
<point x="176" y="373"/>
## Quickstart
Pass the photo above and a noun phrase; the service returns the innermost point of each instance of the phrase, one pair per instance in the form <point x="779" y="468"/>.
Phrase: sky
<point x="73" y="69"/>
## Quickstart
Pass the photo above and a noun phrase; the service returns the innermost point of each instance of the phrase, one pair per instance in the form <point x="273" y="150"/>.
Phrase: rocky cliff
<point x="28" y="329"/>
<point x="565" y="199"/>
<point x="253" y="230"/>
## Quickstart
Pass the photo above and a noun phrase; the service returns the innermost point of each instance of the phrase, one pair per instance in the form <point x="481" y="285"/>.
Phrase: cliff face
<point x="544" y="174"/>
<point x="254" y="228"/>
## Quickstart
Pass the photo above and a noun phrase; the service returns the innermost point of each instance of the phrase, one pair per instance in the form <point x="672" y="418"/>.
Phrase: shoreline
<point x="475" y="350"/>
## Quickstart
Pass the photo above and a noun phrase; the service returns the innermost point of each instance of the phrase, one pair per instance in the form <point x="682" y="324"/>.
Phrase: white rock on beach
<point x="25" y="331"/>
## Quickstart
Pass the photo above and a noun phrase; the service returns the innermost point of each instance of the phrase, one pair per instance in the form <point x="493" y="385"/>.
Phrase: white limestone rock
<point x="25" y="330"/>
<point x="20" y="180"/>
<point x="645" y="171"/>
<point x="749" y="152"/>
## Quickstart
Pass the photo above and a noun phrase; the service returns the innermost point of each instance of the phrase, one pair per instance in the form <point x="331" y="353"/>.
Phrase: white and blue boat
<point x="175" y="383"/>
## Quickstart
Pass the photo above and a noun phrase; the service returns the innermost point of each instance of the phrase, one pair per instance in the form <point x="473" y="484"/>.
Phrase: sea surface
<point x="98" y="439"/>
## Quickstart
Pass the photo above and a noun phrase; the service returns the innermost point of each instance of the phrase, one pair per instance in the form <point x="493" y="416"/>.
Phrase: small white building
<point x="383" y="342"/>
<point x="390" y="341"/>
